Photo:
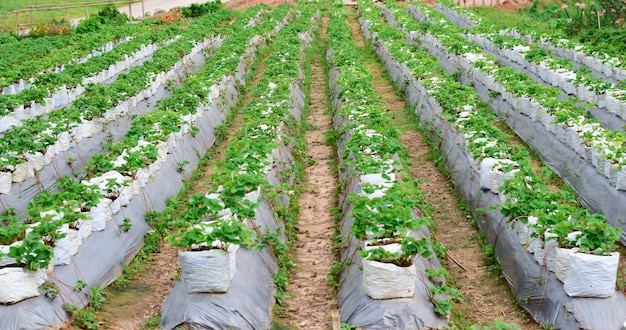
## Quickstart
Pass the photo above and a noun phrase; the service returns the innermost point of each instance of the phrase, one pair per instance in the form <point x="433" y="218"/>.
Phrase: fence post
<point x="130" y="12"/>
<point x="17" y="22"/>
<point x="86" y="12"/>
<point x="143" y="11"/>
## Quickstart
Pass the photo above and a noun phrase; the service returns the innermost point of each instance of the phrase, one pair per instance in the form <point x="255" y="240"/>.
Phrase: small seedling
<point x="79" y="286"/>
<point x="51" y="289"/>
<point x="126" y="225"/>
<point x="181" y="165"/>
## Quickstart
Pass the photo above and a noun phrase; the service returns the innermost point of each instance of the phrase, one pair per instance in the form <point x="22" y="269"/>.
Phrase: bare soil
<point x="310" y="294"/>
<point x="130" y="306"/>
<point x="485" y="295"/>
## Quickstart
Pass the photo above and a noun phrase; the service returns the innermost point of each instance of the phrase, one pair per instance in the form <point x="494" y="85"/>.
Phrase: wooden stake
<point x="456" y="262"/>
<point x="335" y="318"/>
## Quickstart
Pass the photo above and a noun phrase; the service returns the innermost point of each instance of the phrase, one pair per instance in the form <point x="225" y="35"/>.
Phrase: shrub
<point x="170" y="17"/>
<point x="52" y="28"/>
<point x="197" y="10"/>
<point x="109" y="15"/>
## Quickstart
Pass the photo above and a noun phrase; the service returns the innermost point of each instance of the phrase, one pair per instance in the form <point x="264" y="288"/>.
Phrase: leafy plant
<point x="11" y="230"/>
<point x="97" y="298"/>
<point x="197" y="10"/>
<point x="126" y="225"/>
<point x="181" y="165"/>
<point x="32" y="254"/>
<point x="409" y="248"/>
<point x="498" y="324"/>
<point x="79" y="286"/>
<point x="217" y="234"/>
<point x="84" y="319"/>
<point x="51" y="289"/>
<point x="598" y="237"/>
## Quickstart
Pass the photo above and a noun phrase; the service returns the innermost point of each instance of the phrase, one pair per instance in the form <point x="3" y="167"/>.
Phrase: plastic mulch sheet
<point x="103" y="255"/>
<point x="535" y="288"/>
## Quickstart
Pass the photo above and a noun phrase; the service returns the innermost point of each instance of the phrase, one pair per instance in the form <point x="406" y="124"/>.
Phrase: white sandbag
<point x="36" y="161"/>
<point x="545" y="253"/>
<point x="102" y="180"/>
<point x="591" y="275"/>
<point x="378" y="179"/>
<point x="387" y="281"/>
<point x="60" y="98"/>
<point x="561" y="263"/>
<point x="535" y="244"/>
<point x="6" y="122"/>
<point x="208" y="271"/>
<point x="85" y="228"/>
<point x="135" y="187"/>
<point x="16" y="284"/>
<point x="125" y="196"/>
<point x="87" y="129"/>
<point x="65" y="247"/>
<point x="491" y="174"/>
<point x="115" y="206"/>
<point x="20" y="173"/>
<point x="252" y="196"/>
<point x="612" y="103"/>
<point x="143" y="176"/>
<point x="10" y="90"/>
<point x="19" y="113"/>
<point x="100" y="214"/>
<point x="6" y="180"/>
<point x="63" y="143"/>
<point x="41" y="276"/>
<point x="522" y="232"/>
<point x="51" y="152"/>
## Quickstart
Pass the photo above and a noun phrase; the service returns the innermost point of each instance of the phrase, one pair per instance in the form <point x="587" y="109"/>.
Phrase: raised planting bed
<point x="584" y="154"/>
<point x="391" y="276"/>
<point x="123" y="195"/>
<point x="27" y="58"/>
<point x="98" y="50"/>
<point x="222" y="285"/>
<point x="505" y="193"/>
<point x="59" y="143"/>
<point x="53" y="90"/>
<point x="608" y="98"/>
<point x="603" y="65"/>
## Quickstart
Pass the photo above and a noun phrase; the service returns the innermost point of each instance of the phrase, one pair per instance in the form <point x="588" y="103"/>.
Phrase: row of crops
<point x="124" y="146"/>
<point x="556" y="254"/>
<point x="107" y="130"/>
<point x="116" y="153"/>
<point x="388" y="254"/>
<point x="250" y="196"/>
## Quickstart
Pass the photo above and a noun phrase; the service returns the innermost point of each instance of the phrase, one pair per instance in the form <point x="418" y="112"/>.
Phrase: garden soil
<point x="310" y="296"/>
<point x="131" y="306"/>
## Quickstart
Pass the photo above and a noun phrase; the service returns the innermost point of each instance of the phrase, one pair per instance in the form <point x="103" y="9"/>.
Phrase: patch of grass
<point x="509" y="20"/>
<point x="7" y="18"/>
<point x="151" y="244"/>
<point x="152" y="322"/>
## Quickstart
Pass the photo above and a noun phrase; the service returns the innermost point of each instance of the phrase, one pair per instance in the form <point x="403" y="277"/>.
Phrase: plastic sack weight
<point x="591" y="275"/>
<point x="387" y="281"/>
<point x="17" y="284"/>
<point x="208" y="271"/>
